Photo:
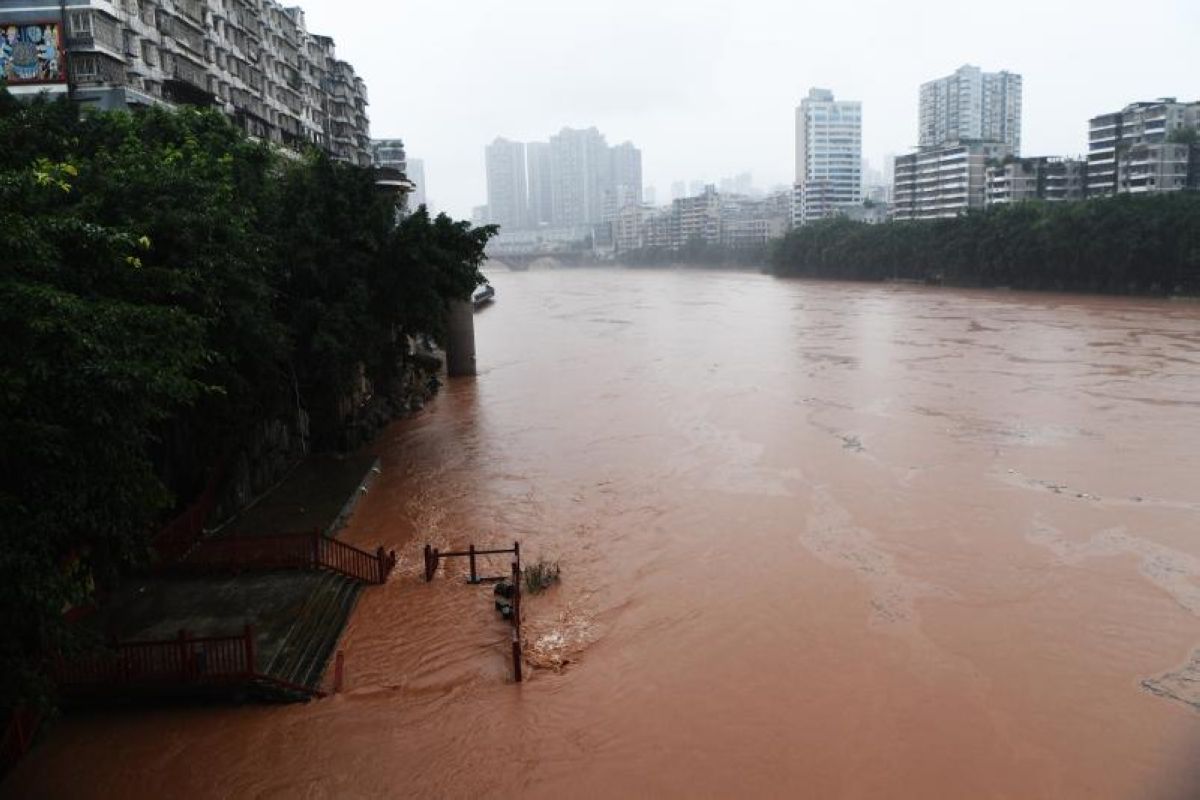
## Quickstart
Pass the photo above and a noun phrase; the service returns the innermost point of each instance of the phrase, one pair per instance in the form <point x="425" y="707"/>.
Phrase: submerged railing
<point x="290" y="551"/>
<point x="172" y="664"/>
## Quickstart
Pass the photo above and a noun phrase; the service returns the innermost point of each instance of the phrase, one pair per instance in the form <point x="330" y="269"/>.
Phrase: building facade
<point x="971" y="105"/>
<point x="624" y="179"/>
<point x="828" y="156"/>
<point x="252" y="59"/>
<point x="541" y="183"/>
<point x="946" y="181"/>
<point x="1044" y="178"/>
<point x="711" y="218"/>
<point x="965" y="121"/>
<point x="580" y="170"/>
<point x="1145" y="147"/>
<point x="507" y="193"/>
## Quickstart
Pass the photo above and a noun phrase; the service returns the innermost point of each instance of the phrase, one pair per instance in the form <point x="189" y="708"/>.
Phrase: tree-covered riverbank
<point x="168" y="285"/>
<point x="1123" y="244"/>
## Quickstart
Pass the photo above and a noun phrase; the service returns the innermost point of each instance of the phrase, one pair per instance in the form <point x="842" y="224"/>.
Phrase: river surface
<point x="816" y="540"/>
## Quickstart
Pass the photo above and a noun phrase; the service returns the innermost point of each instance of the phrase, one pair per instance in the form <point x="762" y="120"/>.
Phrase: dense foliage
<point x="1124" y="244"/>
<point x="168" y="283"/>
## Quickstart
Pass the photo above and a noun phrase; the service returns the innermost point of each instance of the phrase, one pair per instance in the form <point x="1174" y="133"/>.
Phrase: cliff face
<point x="275" y="445"/>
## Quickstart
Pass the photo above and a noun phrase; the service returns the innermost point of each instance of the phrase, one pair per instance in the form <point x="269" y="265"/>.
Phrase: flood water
<point x="816" y="540"/>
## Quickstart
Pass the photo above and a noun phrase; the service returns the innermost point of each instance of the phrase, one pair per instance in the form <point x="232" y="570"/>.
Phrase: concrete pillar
<point x="460" y="338"/>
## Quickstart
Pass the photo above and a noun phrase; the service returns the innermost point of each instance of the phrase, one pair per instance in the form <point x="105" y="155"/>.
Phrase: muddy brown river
<point x="816" y="539"/>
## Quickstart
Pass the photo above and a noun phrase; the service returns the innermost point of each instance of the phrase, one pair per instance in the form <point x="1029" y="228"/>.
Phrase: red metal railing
<point x="18" y="736"/>
<point x="291" y="551"/>
<point x="174" y="662"/>
<point x="181" y="663"/>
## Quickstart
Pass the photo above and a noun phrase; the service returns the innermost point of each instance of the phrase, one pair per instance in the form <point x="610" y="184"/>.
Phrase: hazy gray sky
<point x="708" y="89"/>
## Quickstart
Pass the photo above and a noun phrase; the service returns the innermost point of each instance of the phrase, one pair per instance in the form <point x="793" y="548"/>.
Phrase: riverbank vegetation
<point x="1125" y="244"/>
<point x="167" y="284"/>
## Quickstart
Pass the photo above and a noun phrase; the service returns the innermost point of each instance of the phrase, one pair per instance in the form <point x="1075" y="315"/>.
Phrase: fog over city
<point x="708" y="90"/>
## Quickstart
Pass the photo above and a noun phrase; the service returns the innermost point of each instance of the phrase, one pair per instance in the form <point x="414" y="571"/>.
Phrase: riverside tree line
<point x="166" y="284"/>
<point x="1123" y="244"/>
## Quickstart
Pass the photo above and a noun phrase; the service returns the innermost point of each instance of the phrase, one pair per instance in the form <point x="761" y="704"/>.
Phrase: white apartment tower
<point x="828" y="156"/>
<point x="508" y="203"/>
<point x="971" y="106"/>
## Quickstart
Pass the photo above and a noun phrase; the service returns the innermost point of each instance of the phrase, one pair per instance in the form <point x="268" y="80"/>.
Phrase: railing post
<point x="339" y="671"/>
<point x="428" y="558"/>
<point x="471" y="557"/>
<point x="517" y="553"/>
<point x="316" y="548"/>
<point x="248" y="643"/>
<point x="382" y="556"/>
<point x="516" y="654"/>
<point x="516" y="579"/>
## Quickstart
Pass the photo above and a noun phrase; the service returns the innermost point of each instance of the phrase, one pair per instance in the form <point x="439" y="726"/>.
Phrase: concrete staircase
<point x="301" y="660"/>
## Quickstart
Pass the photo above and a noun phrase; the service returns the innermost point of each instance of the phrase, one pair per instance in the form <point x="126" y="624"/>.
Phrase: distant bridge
<point x="519" y="262"/>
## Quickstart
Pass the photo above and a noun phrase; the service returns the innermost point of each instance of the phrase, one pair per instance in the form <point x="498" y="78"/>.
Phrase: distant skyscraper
<point x="541" y="183"/>
<point x="649" y="195"/>
<point x="508" y="199"/>
<point x="971" y="106"/>
<point x="742" y="183"/>
<point x="678" y="190"/>
<point x="626" y="165"/>
<point x="581" y="171"/>
<point x="416" y="174"/>
<point x="828" y="155"/>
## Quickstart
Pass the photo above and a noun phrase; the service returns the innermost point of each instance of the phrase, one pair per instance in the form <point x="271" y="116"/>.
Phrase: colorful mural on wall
<point x="31" y="52"/>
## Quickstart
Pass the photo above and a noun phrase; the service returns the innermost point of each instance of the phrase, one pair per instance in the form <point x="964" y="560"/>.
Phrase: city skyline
<point x="747" y="67"/>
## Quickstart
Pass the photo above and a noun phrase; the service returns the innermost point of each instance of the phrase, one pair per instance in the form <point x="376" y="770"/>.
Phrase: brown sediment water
<point x="816" y="539"/>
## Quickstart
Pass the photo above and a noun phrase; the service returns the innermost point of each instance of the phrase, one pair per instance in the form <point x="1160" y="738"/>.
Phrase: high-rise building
<point x="678" y="189"/>
<point x="508" y="197"/>
<point x="971" y="105"/>
<point x="966" y="120"/>
<point x="1144" y="148"/>
<point x="828" y="155"/>
<point x="541" y="183"/>
<point x="253" y="59"/>
<point x="580" y="170"/>
<point x="625" y="178"/>
<point x="573" y="180"/>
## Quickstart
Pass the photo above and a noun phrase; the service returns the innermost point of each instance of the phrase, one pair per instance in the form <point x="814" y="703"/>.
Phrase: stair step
<point x="320" y="654"/>
<point x="303" y="657"/>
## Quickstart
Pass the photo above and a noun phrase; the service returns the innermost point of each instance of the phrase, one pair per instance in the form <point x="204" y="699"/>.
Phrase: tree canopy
<point x="1124" y="244"/>
<point x="169" y="282"/>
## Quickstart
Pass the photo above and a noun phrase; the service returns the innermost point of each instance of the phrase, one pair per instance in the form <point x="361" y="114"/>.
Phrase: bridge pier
<point x="460" y="338"/>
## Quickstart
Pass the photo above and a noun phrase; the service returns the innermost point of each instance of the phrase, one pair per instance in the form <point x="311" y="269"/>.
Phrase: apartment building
<point x="1043" y="178"/>
<point x="943" y="181"/>
<point x="253" y="59"/>
<point x="973" y="105"/>
<point x="507" y="193"/>
<point x="1146" y="147"/>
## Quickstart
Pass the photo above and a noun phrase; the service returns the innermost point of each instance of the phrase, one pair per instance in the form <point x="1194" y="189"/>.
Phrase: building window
<point x="85" y="68"/>
<point x="81" y="23"/>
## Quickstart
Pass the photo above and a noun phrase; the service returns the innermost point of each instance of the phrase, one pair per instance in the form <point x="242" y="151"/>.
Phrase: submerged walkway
<point x="270" y="632"/>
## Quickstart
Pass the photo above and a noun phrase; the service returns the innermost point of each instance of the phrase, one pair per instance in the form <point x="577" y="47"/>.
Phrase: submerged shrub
<point x="540" y="576"/>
